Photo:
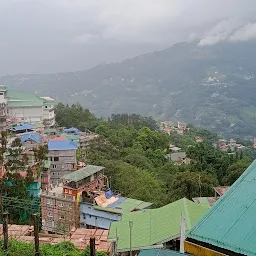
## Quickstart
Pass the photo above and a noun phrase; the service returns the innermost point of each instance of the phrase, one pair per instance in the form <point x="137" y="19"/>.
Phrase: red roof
<point x="59" y="138"/>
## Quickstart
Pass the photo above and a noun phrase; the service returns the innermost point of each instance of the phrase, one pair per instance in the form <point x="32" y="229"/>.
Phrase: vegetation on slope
<point x="17" y="248"/>
<point x="133" y="152"/>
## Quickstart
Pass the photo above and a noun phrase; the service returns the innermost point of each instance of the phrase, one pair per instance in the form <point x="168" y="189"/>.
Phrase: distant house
<point x="22" y="128"/>
<point x="108" y="208"/>
<point x="210" y="201"/>
<point x="154" y="227"/>
<point x="198" y="139"/>
<point x="31" y="140"/>
<point x="62" y="154"/>
<point x="178" y="157"/>
<point x="71" y="130"/>
<point x="27" y="107"/>
<point x="60" y="202"/>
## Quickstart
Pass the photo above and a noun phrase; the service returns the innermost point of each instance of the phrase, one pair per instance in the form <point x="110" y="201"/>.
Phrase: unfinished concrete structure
<point x="62" y="154"/>
<point x="60" y="202"/>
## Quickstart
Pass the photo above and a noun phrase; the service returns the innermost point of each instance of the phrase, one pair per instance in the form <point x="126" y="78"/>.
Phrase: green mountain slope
<point x="211" y="86"/>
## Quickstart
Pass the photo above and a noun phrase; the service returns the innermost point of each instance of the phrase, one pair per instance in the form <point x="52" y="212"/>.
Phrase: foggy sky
<point x="41" y="36"/>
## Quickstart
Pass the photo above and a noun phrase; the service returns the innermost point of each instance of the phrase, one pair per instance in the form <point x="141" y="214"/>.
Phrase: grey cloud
<point x="66" y="35"/>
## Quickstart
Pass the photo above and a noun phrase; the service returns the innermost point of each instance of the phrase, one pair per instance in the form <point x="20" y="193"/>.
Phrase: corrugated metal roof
<point x="61" y="145"/>
<point x="231" y="222"/>
<point x="72" y="129"/>
<point x="159" y="252"/>
<point x="155" y="226"/>
<point x="31" y="136"/>
<point x="22" y="99"/>
<point x="83" y="173"/>
<point x="70" y="136"/>
<point x="22" y="127"/>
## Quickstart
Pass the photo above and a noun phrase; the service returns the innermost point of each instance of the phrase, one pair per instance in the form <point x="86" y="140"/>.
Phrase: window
<point x="50" y="158"/>
<point x="90" y="216"/>
<point x="62" y="217"/>
<point x="45" y="106"/>
<point x="73" y="166"/>
<point x="49" y="214"/>
<point x="49" y="201"/>
<point x="58" y="174"/>
<point x="55" y="159"/>
<point x="53" y="174"/>
<point x="54" y="166"/>
<point x="61" y="204"/>
<point x="1" y="93"/>
<point x="66" y="190"/>
<point x="84" y="216"/>
<point x="70" y="192"/>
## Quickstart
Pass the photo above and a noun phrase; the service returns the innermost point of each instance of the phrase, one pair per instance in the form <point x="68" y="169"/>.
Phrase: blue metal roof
<point x="72" y="129"/>
<point x="62" y="145"/>
<point x="231" y="222"/>
<point x="116" y="203"/>
<point x="31" y="136"/>
<point x="23" y="127"/>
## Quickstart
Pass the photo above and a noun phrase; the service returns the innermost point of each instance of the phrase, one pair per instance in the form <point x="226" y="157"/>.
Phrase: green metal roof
<point x="21" y="99"/>
<point x="127" y="205"/>
<point x="70" y="136"/>
<point x="230" y="223"/>
<point x="160" y="252"/>
<point x="83" y="173"/>
<point x="50" y="130"/>
<point x="155" y="226"/>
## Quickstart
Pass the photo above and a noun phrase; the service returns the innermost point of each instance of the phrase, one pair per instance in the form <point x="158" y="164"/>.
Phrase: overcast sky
<point x="40" y="36"/>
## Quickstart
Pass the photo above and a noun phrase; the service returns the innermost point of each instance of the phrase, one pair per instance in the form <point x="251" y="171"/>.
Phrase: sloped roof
<point x="160" y="252"/>
<point x="31" y="136"/>
<point x="205" y="201"/>
<point x="123" y="205"/>
<point x="22" y="99"/>
<point x="155" y="226"/>
<point x="72" y="129"/>
<point x="83" y="173"/>
<point x="231" y="223"/>
<point x="22" y="127"/>
<point x="61" y="145"/>
<point x="70" y="136"/>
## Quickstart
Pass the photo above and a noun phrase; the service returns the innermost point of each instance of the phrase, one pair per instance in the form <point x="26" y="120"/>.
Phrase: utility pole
<point x="92" y="247"/>
<point x="5" y="229"/>
<point x="36" y="233"/>
<point x="130" y="225"/>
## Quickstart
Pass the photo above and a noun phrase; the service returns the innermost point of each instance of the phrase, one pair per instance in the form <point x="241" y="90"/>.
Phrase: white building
<point x="26" y="107"/>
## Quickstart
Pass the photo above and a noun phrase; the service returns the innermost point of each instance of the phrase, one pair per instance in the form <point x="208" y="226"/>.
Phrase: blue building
<point x="108" y="208"/>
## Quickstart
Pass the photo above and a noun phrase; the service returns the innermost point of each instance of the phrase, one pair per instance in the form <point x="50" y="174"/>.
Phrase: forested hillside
<point x="211" y="86"/>
<point x="134" y="154"/>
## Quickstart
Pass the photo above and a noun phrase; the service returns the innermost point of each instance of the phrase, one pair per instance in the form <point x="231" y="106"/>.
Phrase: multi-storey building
<point x="62" y="154"/>
<point x="26" y="107"/>
<point x="3" y="108"/>
<point x="60" y="202"/>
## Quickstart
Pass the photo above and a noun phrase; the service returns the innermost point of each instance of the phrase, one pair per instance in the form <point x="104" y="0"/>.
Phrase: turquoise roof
<point x="231" y="222"/>
<point x="159" y="252"/>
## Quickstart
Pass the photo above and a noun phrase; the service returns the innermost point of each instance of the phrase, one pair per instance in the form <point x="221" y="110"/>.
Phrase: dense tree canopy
<point x="134" y="153"/>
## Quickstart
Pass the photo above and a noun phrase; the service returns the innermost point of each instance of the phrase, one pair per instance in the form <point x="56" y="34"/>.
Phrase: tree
<point x="235" y="170"/>
<point x="192" y="184"/>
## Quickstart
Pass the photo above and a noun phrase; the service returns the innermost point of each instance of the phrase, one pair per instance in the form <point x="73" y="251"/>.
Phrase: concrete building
<point x="60" y="203"/>
<point x="3" y="108"/>
<point x="107" y="208"/>
<point x="62" y="154"/>
<point x="26" y="107"/>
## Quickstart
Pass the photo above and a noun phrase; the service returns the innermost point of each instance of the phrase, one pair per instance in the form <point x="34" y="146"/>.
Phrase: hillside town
<point x="76" y="200"/>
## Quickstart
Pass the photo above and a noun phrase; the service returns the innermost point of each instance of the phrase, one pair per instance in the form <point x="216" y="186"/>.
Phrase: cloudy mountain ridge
<point x="211" y="85"/>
